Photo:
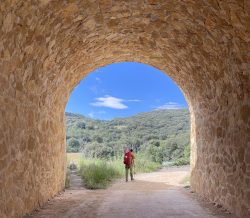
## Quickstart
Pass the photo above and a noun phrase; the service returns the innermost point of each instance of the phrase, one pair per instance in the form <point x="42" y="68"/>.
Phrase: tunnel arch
<point x="47" y="47"/>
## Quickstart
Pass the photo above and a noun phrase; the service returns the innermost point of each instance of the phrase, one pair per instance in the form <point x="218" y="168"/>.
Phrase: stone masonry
<point x="48" y="46"/>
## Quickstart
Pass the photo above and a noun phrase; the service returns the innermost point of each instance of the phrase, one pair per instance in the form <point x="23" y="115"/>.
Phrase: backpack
<point x="127" y="158"/>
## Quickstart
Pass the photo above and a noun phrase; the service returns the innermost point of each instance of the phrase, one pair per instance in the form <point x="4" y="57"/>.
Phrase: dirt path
<point x="75" y="181"/>
<point x="153" y="195"/>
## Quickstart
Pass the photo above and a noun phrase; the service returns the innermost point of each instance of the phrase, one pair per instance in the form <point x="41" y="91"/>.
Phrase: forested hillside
<point x="161" y="135"/>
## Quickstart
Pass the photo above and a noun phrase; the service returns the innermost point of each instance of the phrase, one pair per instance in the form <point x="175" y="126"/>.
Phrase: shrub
<point x="73" y="145"/>
<point x="81" y="125"/>
<point x="97" y="174"/>
<point x="154" y="154"/>
<point x="145" y="165"/>
<point x="181" y="161"/>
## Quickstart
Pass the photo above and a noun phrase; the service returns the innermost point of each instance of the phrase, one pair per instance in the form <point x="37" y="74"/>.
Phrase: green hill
<point x="161" y="135"/>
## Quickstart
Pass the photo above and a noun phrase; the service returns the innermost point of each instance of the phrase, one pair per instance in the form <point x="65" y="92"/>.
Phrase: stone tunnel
<point x="47" y="47"/>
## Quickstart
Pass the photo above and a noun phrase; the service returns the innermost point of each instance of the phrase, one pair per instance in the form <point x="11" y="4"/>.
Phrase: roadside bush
<point x="181" y="161"/>
<point x="145" y="165"/>
<point x="97" y="174"/>
<point x="73" y="145"/>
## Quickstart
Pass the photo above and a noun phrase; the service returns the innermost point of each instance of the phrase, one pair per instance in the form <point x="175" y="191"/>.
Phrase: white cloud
<point x="170" y="105"/>
<point x="110" y="102"/>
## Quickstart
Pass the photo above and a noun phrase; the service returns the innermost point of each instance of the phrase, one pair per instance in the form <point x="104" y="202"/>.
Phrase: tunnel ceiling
<point x="58" y="42"/>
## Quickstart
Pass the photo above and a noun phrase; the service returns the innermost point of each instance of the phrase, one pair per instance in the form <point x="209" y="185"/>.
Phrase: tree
<point x="81" y="125"/>
<point x="104" y="152"/>
<point x="155" y="153"/>
<point x="73" y="145"/>
<point x="98" y="138"/>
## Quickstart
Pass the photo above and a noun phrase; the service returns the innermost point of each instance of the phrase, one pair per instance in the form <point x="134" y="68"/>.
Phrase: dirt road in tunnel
<point x="153" y="195"/>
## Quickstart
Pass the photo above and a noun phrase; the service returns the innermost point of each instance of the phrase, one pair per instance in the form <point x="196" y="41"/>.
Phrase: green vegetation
<point x="73" y="145"/>
<point x="160" y="136"/>
<point x="185" y="159"/>
<point x="97" y="146"/>
<point x="98" y="174"/>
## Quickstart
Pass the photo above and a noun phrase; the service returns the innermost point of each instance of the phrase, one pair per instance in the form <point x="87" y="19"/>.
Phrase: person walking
<point x="129" y="162"/>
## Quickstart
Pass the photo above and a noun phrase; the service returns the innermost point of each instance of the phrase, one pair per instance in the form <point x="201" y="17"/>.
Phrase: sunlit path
<point x="75" y="181"/>
<point x="159" y="194"/>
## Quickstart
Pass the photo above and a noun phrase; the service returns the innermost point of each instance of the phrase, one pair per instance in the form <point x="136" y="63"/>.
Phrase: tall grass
<point x="98" y="174"/>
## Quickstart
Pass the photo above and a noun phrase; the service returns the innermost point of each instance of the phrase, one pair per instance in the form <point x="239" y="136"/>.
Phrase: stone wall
<point x="47" y="47"/>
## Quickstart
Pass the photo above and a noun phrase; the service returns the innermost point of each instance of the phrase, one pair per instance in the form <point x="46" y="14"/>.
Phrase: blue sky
<point x="124" y="89"/>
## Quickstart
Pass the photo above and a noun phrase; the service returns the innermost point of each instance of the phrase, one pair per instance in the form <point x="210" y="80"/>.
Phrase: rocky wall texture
<point x="47" y="47"/>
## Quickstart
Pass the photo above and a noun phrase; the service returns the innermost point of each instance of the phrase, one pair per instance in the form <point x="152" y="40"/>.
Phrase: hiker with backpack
<point x="129" y="163"/>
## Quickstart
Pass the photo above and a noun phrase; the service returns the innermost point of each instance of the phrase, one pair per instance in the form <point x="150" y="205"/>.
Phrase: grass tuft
<point x="97" y="174"/>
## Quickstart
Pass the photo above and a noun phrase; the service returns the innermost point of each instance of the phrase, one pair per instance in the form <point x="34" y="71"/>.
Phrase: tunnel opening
<point x="127" y="105"/>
